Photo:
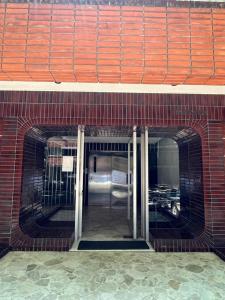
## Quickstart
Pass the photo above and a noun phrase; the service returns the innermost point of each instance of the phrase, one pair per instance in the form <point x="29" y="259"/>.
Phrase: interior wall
<point x="107" y="160"/>
<point x="152" y="158"/>
<point x="191" y="182"/>
<point x="168" y="163"/>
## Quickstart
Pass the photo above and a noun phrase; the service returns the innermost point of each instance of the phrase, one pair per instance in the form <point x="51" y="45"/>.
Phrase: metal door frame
<point x="145" y="185"/>
<point x="134" y="182"/>
<point x="78" y="186"/>
<point x="144" y="172"/>
<point x="132" y="202"/>
<point x="146" y="181"/>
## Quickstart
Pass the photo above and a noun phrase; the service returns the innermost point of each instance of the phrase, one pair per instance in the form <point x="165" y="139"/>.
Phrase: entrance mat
<point x="4" y="250"/>
<point x="113" y="245"/>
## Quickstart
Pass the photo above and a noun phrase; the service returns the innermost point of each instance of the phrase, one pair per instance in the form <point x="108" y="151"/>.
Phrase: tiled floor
<point x="102" y="223"/>
<point x="111" y="275"/>
<point x="62" y="215"/>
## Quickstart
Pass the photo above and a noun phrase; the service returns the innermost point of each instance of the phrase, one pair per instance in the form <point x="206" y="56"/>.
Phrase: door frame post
<point x="146" y="186"/>
<point x="134" y="182"/>
<point x="143" y="184"/>
<point x="80" y="199"/>
<point x="128" y="181"/>
<point x="76" y="185"/>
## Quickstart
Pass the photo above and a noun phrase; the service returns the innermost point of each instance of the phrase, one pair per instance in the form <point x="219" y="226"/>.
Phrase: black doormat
<point x="113" y="245"/>
<point x="4" y="250"/>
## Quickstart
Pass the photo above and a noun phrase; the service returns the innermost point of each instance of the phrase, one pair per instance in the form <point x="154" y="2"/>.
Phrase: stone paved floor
<point x="111" y="275"/>
<point x="102" y="223"/>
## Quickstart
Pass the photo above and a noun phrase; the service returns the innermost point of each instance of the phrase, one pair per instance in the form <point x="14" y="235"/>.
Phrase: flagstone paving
<point x="111" y="276"/>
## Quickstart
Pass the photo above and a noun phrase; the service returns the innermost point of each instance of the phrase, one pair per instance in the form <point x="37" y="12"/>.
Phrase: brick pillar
<point x="7" y="178"/>
<point x="217" y="182"/>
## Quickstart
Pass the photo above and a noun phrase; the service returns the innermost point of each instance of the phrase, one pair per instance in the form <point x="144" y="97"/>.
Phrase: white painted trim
<point x="112" y="88"/>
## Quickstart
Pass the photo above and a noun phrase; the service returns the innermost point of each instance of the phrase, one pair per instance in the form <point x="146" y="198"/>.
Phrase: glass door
<point x="79" y="184"/>
<point x="145" y="184"/>
<point x="132" y="184"/>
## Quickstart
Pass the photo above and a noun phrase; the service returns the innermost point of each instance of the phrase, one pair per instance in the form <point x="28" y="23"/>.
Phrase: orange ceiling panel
<point x="82" y="43"/>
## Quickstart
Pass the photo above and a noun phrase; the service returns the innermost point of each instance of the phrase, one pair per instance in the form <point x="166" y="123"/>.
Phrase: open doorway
<point x="108" y="184"/>
<point x="105" y="214"/>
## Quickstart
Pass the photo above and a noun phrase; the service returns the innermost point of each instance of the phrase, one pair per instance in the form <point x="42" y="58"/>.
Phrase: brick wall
<point x="32" y="181"/>
<point x="21" y="111"/>
<point x="217" y="178"/>
<point x="100" y="43"/>
<point x="8" y="178"/>
<point x="191" y="182"/>
<point x="1" y="132"/>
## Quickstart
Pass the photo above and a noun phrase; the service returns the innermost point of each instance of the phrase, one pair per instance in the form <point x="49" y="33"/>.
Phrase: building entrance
<point x="110" y="207"/>
<point x="112" y="183"/>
